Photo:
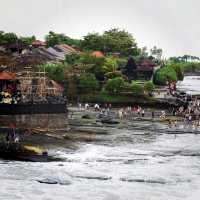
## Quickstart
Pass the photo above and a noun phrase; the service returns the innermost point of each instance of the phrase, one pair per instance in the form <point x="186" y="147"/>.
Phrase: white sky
<point x="169" y="24"/>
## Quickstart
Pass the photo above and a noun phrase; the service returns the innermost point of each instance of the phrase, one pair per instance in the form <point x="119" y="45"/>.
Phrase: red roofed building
<point x="7" y="76"/>
<point x="97" y="54"/>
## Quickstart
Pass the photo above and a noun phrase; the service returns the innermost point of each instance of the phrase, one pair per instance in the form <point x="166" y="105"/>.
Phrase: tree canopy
<point x="88" y="82"/>
<point x="7" y="38"/>
<point x="115" y="85"/>
<point x="54" y="71"/>
<point x="164" y="75"/>
<point x="114" y="40"/>
<point x="53" y="38"/>
<point x="28" y="40"/>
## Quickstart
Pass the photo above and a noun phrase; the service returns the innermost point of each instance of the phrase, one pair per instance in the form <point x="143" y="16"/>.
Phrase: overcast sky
<point x="172" y="25"/>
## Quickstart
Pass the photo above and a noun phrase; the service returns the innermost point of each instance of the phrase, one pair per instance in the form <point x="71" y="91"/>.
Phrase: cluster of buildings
<point x="37" y="53"/>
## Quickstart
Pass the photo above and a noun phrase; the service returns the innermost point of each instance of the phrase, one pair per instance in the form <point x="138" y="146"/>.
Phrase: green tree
<point x="56" y="38"/>
<point x="149" y="86"/>
<point x="54" y="71"/>
<point x="72" y="59"/>
<point x="156" y="52"/>
<point x="28" y="40"/>
<point x="96" y="65"/>
<point x="111" y="75"/>
<point x="179" y="72"/>
<point x="121" y="62"/>
<point x="115" y="85"/>
<point x="114" y="40"/>
<point x="164" y="75"/>
<point x="110" y="65"/>
<point x="88" y="82"/>
<point x="136" y="88"/>
<point x="6" y="38"/>
<point x="174" y="60"/>
<point x="93" y="41"/>
<point x="10" y="37"/>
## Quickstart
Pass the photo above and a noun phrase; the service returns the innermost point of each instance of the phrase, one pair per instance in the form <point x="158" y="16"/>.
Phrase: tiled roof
<point x="97" y="54"/>
<point x="65" y="48"/>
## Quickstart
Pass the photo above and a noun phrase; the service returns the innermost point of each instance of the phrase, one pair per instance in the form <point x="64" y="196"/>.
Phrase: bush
<point x="111" y="75"/>
<point x="118" y="100"/>
<point x="179" y="72"/>
<point x="136" y="88"/>
<point x="149" y="86"/>
<point x="88" y="82"/>
<point x="110" y="65"/>
<point x="121" y="62"/>
<point x="115" y="85"/>
<point x="72" y="59"/>
<point x="96" y="65"/>
<point x="165" y="74"/>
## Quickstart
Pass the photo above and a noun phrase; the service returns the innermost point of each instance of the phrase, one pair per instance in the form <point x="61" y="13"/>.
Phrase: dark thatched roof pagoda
<point x="143" y="69"/>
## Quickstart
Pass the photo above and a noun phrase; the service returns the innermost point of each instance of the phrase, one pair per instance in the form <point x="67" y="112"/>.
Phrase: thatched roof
<point x="28" y="60"/>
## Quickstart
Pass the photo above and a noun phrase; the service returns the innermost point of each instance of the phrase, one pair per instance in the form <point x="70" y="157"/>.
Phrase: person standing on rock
<point x="153" y="114"/>
<point x="86" y="106"/>
<point x="143" y="112"/>
<point x="96" y="107"/>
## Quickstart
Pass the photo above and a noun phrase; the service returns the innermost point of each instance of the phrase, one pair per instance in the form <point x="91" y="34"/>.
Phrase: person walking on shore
<point x="120" y="114"/>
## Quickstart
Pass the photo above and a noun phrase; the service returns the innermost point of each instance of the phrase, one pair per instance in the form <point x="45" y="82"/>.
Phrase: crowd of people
<point x="188" y="115"/>
<point x="128" y="112"/>
<point x="9" y="93"/>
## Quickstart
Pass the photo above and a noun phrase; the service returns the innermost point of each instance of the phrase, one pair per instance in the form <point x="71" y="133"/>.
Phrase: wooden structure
<point x="35" y="86"/>
<point x="145" y="69"/>
<point x="141" y="70"/>
<point x="30" y="93"/>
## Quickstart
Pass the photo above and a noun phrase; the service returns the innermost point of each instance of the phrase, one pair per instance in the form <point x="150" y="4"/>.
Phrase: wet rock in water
<point x="107" y="120"/>
<point x="54" y="181"/>
<point x="190" y="153"/>
<point x="48" y="181"/>
<point x="180" y="180"/>
<point x="91" y="130"/>
<point x="130" y="161"/>
<point x="87" y="116"/>
<point x="101" y="178"/>
<point x="158" y="181"/>
<point x="64" y="182"/>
